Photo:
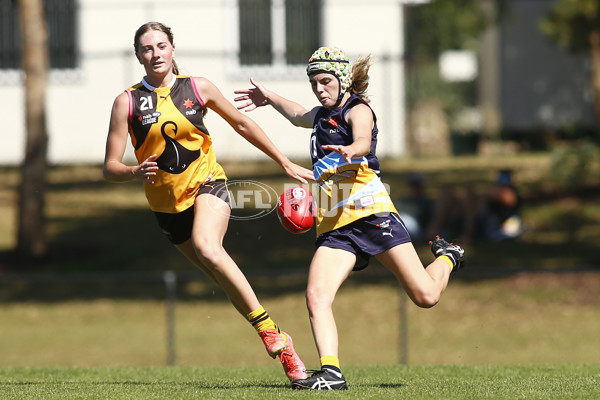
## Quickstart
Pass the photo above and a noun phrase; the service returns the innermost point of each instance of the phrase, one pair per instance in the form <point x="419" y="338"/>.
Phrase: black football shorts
<point x="367" y="237"/>
<point x="178" y="227"/>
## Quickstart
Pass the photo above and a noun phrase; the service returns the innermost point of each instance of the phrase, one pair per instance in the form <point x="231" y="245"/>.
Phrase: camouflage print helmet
<point x="334" y="61"/>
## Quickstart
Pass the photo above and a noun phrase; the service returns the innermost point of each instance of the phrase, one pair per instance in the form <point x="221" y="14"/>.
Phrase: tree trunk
<point x="595" y="57"/>
<point x="31" y="240"/>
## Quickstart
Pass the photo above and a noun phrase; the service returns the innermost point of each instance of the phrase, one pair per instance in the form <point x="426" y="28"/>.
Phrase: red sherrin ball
<point x="294" y="210"/>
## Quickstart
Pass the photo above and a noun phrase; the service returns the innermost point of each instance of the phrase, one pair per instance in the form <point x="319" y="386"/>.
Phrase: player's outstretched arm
<point x="259" y="96"/>
<point x="249" y="129"/>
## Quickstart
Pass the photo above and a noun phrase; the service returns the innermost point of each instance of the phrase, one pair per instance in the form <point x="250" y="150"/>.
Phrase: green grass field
<point x="559" y="382"/>
<point x="521" y="321"/>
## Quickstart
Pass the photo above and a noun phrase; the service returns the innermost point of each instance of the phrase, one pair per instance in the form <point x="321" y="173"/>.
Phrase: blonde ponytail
<point x="360" y="76"/>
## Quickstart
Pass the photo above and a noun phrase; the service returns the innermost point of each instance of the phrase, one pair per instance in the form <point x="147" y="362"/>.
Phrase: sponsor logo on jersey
<point x="149" y="119"/>
<point x="187" y="103"/>
<point x="334" y="123"/>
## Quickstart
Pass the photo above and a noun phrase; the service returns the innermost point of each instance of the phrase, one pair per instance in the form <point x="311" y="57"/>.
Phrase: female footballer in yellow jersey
<point x="356" y="218"/>
<point x="185" y="186"/>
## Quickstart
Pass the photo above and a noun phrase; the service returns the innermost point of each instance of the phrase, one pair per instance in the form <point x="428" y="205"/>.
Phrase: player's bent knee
<point x="208" y="253"/>
<point x="316" y="300"/>
<point x="425" y="300"/>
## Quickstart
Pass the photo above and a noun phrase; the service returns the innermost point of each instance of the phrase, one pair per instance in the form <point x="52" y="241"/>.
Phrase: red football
<point x="294" y="210"/>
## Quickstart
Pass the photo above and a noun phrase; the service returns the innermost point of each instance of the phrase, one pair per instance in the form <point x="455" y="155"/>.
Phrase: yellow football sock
<point x="260" y="320"/>
<point x="330" y="360"/>
<point x="448" y="260"/>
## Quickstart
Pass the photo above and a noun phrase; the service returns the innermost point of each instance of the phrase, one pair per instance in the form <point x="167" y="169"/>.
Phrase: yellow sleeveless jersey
<point x="168" y="122"/>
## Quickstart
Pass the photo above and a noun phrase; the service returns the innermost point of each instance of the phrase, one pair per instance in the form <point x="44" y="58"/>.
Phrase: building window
<point x="302" y="30"/>
<point x="278" y="33"/>
<point x="255" y="32"/>
<point x="62" y="34"/>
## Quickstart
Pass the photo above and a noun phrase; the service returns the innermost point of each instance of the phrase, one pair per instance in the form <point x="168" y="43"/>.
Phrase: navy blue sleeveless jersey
<point x="330" y="127"/>
<point x="347" y="191"/>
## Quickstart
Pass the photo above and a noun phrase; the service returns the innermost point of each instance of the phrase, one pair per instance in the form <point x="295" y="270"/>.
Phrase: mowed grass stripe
<point x="366" y="382"/>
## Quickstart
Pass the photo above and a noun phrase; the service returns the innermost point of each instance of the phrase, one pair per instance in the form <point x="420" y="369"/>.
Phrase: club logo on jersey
<point x="175" y="158"/>
<point x="331" y="177"/>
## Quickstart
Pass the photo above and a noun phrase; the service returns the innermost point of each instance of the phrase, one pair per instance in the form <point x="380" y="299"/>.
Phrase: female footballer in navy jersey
<point x="185" y="185"/>
<point x="356" y="217"/>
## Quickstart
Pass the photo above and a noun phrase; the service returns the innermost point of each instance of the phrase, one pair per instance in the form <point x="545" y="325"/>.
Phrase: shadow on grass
<point x="125" y="255"/>
<point x="121" y="252"/>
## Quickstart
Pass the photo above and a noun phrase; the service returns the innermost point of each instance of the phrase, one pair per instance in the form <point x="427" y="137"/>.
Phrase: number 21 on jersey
<point x="146" y="103"/>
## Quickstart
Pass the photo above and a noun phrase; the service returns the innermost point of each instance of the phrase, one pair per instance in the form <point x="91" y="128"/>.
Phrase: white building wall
<point x="78" y="106"/>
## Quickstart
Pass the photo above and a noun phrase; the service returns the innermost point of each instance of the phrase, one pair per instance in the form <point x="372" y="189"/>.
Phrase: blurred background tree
<point x="575" y="26"/>
<point x="31" y="236"/>
<point x="438" y="107"/>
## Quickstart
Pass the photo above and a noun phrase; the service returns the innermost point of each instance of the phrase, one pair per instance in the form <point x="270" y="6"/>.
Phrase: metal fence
<point x="169" y="280"/>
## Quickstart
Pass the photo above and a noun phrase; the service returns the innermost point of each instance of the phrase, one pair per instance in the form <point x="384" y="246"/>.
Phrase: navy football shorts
<point x="178" y="227"/>
<point x="367" y="237"/>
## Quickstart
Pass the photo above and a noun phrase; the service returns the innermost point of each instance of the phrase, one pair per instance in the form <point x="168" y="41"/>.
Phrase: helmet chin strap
<point x="339" y="100"/>
<point x="340" y="96"/>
